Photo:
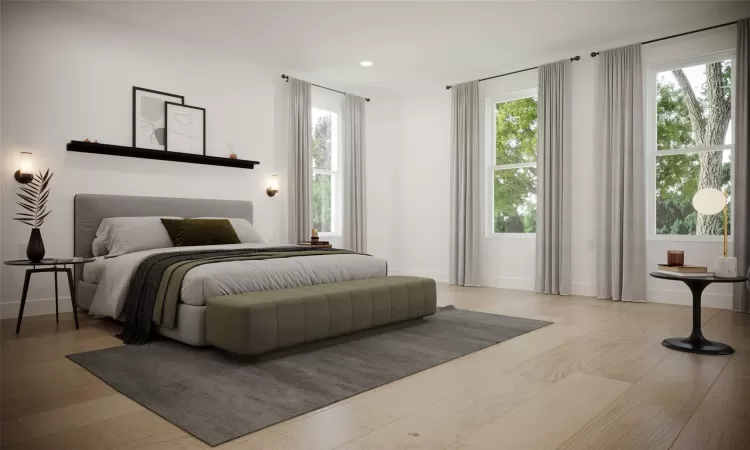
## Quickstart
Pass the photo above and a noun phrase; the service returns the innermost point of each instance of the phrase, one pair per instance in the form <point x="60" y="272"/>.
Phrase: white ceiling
<point x="412" y="42"/>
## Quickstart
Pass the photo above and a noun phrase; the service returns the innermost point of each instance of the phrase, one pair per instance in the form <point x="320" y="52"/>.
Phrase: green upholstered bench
<point x="259" y="322"/>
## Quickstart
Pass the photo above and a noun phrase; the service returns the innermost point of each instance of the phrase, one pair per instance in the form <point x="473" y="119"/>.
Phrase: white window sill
<point x="329" y="234"/>
<point x="511" y="236"/>
<point x="688" y="238"/>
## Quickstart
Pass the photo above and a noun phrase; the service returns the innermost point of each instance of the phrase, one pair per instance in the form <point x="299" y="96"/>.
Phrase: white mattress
<point x="113" y="276"/>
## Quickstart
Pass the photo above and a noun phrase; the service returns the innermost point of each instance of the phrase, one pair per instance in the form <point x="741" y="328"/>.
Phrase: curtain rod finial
<point x="593" y="54"/>
<point x="367" y="99"/>
<point x="285" y="77"/>
<point x="575" y="58"/>
<point x="448" y="87"/>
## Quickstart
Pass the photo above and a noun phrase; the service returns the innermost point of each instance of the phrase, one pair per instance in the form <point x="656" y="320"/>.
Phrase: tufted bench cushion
<point x="258" y="322"/>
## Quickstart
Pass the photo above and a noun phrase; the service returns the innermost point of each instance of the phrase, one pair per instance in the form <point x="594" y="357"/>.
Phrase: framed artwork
<point x="149" y="124"/>
<point x="185" y="128"/>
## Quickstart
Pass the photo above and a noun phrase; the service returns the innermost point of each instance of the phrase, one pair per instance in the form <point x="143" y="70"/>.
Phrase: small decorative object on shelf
<point x="86" y="140"/>
<point x="34" y="201"/>
<point x="710" y="201"/>
<point x="232" y="154"/>
<point x="675" y="257"/>
<point x="314" y="238"/>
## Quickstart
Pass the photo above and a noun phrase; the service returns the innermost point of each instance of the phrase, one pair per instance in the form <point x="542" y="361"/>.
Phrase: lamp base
<point x="725" y="267"/>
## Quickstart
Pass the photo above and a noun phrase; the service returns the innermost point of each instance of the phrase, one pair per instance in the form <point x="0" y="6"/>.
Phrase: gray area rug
<point x="217" y="398"/>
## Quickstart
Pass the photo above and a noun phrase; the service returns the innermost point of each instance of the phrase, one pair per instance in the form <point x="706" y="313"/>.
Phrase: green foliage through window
<point x="514" y="188"/>
<point x="322" y="159"/>
<point x="693" y="109"/>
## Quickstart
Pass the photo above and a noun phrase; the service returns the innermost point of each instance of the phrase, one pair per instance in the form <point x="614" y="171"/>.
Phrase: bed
<point x="102" y="285"/>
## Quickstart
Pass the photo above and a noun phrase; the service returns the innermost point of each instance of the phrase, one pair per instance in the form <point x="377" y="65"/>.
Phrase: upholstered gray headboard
<point x="90" y="209"/>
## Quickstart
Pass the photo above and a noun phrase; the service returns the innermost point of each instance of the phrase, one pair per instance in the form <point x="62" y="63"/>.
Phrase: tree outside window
<point x="694" y="145"/>
<point x="514" y="171"/>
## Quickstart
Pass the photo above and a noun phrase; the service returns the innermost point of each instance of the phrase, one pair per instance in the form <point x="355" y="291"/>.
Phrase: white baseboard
<point x="516" y="284"/>
<point x="673" y="297"/>
<point x="437" y="276"/>
<point x="583" y="289"/>
<point x="36" y="307"/>
<point x="685" y="298"/>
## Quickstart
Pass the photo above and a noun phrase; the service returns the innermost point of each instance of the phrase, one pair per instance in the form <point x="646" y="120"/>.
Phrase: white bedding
<point x="113" y="275"/>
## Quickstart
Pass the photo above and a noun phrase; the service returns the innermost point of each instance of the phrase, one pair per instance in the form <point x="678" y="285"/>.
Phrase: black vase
<point x="35" y="249"/>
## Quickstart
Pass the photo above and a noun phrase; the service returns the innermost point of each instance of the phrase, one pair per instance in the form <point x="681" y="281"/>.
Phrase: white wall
<point x="68" y="76"/>
<point x="508" y="262"/>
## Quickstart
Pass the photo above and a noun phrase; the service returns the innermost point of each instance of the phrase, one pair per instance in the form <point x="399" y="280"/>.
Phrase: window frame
<point x="335" y="172"/>
<point x="491" y="157"/>
<point x="652" y="153"/>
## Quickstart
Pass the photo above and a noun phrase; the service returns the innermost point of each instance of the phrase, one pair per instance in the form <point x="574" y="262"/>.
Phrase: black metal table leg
<point x="696" y="343"/>
<point x="23" y="298"/>
<point x="72" y="295"/>
<point x="57" y="311"/>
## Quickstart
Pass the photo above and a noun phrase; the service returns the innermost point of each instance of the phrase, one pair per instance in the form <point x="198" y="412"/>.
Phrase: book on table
<point x="687" y="274"/>
<point x="685" y="271"/>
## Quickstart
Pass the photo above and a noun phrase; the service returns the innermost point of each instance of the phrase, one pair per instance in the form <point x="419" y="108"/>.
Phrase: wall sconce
<point x="25" y="173"/>
<point x="274" y="187"/>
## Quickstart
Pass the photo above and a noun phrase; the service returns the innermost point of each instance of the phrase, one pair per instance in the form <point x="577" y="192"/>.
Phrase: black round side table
<point x="696" y="343"/>
<point x="53" y="265"/>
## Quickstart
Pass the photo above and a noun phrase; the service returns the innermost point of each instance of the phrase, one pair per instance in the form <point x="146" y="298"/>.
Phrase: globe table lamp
<point x="710" y="201"/>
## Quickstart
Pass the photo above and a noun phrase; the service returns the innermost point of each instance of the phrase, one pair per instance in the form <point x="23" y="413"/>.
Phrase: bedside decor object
<point x="314" y="238"/>
<point x="710" y="201"/>
<point x="25" y="172"/>
<point x="273" y="188"/>
<point x="185" y="129"/>
<point x="675" y="257"/>
<point x="34" y="202"/>
<point x="696" y="343"/>
<point x="55" y="263"/>
<point x="149" y="117"/>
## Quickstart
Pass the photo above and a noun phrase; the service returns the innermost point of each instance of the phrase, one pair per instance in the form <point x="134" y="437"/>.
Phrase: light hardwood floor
<point x="597" y="378"/>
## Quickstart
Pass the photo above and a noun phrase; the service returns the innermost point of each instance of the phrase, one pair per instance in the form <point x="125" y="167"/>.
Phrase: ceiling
<point x="411" y="42"/>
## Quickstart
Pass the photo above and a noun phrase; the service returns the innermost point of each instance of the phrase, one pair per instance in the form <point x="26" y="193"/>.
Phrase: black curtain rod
<point x="593" y="54"/>
<point x="286" y="78"/>
<point x="575" y="58"/>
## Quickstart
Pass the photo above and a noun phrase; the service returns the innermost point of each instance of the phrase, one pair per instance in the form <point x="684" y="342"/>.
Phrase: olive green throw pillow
<point x="190" y="232"/>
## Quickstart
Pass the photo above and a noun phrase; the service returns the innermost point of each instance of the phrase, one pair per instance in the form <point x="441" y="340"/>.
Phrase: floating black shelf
<point x="135" y="152"/>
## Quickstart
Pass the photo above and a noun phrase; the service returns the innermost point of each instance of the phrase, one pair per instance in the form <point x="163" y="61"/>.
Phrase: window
<point x="691" y="143"/>
<point x="326" y="177"/>
<point x="512" y="122"/>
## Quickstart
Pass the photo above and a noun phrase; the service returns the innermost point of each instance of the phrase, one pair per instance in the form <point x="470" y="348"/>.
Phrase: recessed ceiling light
<point x="365" y="63"/>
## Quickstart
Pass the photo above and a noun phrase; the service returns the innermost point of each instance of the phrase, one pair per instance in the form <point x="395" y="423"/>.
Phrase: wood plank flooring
<point x="597" y="378"/>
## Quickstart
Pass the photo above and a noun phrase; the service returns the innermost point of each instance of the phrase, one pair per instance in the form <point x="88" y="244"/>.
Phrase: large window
<point x="325" y="177"/>
<point x="512" y="122"/>
<point x="691" y="143"/>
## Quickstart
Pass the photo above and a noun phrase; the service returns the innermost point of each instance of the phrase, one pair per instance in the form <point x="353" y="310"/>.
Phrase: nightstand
<point x="48" y="265"/>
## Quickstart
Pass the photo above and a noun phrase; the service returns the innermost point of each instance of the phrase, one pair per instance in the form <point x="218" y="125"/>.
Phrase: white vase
<point x="725" y="267"/>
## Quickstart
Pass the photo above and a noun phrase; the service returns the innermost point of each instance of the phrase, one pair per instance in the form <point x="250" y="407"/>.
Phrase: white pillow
<point x="244" y="229"/>
<point x="98" y="248"/>
<point x="123" y="235"/>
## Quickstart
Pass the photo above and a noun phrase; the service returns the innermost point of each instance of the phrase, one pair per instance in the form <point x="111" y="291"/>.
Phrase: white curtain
<point x="553" y="180"/>
<point x="465" y="185"/>
<point x="741" y="188"/>
<point x="300" y="130"/>
<point x="621" y="202"/>
<point x="355" y="187"/>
